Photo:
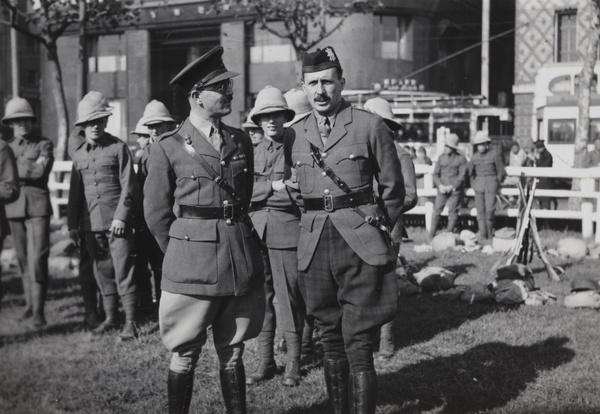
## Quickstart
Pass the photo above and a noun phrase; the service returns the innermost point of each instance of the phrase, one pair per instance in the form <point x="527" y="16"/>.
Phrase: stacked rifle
<point x="527" y="235"/>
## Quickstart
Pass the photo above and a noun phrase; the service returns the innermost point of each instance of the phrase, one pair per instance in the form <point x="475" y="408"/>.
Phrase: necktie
<point x="215" y="139"/>
<point x="324" y="129"/>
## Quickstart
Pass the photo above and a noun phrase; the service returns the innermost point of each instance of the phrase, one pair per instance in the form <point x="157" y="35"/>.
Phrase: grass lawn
<point x="451" y="357"/>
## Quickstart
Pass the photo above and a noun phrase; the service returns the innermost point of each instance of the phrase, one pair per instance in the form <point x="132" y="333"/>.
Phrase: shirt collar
<point x="202" y="125"/>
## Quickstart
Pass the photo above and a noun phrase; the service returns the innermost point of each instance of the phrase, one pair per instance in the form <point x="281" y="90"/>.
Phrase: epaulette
<point x="362" y="110"/>
<point x="170" y="133"/>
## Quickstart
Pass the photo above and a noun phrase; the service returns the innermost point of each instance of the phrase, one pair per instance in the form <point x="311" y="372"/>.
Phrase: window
<point x="105" y="54"/>
<point x="396" y="37"/>
<point x="561" y="131"/>
<point x="566" y="33"/>
<point x="268" y="48"/>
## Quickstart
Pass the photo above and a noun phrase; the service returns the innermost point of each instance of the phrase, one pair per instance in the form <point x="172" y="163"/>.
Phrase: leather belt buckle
<point x="328" y="203"/>
<point x="228" y="211"/>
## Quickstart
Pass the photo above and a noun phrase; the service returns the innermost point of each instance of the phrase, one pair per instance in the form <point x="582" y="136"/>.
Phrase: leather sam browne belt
<point x="331" y="203"/>
<point x="227" y="212"/>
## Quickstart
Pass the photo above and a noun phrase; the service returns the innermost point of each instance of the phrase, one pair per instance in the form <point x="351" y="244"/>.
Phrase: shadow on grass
<point x="27" y="334"/>
<point x="422" y="317"/>
<point x="485" y="377"/>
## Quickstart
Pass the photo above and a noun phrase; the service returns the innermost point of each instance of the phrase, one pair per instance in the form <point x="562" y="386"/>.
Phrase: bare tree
<point x="46" y="21"/>
<point x="300" y="17"/>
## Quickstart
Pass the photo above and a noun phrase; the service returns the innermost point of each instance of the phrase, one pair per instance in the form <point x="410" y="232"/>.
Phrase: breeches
<point x="113" y="262"/>
<point x="184" y="320"/>
<point x="349" y="299"/>
<point x="31" y="238"/>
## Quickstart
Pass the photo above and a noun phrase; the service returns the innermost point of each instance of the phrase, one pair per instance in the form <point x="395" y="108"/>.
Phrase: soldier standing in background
<point x="383" y="108"/>
<point x="486" y="173"/>
<point x="158" y="120"/>
<point x="346" y="257"/>
<point x="276" y="221"/>
<point x="29" y="215"/>
<point x="212" y="272"/>
<point x="449" y="176"/>
<point x="9" y="192"/>
<point x="105" y="181"/>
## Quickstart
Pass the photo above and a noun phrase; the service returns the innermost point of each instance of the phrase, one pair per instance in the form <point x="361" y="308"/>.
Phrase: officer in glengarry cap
<point x="346" y="258"/>
<point x="212" y="271"/>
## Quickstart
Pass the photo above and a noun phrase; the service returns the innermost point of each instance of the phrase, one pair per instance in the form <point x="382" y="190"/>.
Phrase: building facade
<point x="432" y="42"/>
<point x="551" y="39"/>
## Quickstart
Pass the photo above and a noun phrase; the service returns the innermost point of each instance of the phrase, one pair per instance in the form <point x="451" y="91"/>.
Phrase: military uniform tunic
<point x="450" y="169"/>
<point x="275" y="221"/>
<point x="105" y="181"/>
<point x="29" y="215"/>
<point x="212" y="272"/>
<point x="347" y="265"/>
<point x="486" y="173"/>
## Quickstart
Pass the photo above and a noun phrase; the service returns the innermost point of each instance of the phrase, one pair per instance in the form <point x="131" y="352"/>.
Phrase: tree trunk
<point x="584" y="98"/>
<point x="585" y="84"/>
<point x="60" y="103"/>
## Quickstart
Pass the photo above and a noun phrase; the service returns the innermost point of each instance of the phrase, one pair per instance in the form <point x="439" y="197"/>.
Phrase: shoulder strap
<point x="208" y="168"/>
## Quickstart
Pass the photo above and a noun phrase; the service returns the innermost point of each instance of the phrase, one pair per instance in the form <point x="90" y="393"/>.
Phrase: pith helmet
<point x="481" y="137"/>
<point x="140" y="128"/>
<point x="249" y="122"/>
<point x="383" y="108"/>
<point x="270" y="100"/>
<point x="93" y="106"/>
<point x="17" y="108"/>
<point x="298" y="102"/>
<point x="451" y="141"/>
<point x="156" y="112"/>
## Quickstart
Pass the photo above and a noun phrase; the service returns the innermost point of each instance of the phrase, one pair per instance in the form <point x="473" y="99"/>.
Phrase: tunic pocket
<point x="305" y="167"/>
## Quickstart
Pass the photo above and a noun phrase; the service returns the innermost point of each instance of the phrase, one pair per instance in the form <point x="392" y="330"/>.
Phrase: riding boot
<point x="292" y="375"/>
<point x="38" y="296"/>
<point x="267" y="367"/>
<point x="363" y="389"/>
<point x="130" y="329"/>
<point x="233" y="386"/>
<point x="111" y="303"/>
<point x="386" y="341"/>
<point x="179" y="390"/>
<point x="28" y="311"/>
<point x="336" y="378"/>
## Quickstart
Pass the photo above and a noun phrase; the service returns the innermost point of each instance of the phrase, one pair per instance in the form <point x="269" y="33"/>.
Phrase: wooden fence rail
<point x="589" y="214"/>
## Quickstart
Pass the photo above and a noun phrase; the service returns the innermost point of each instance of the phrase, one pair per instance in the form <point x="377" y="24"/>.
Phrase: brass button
<point x="324" y="155"/>
<point x="223" y="163"/>
<point x="228" y="222"/>
<point x="97" y="195"/>
<point x="187" y="237"/>
<point x="226" y="202"/>
<point x="326" y="191"/>
<point x="95" y="183"/>
<point x="298" y="162"/>
<point x="352" y="156"/>
<point x="193" y="177"/>
<point x="324" y="174"/>
<point x="245" y="170"/>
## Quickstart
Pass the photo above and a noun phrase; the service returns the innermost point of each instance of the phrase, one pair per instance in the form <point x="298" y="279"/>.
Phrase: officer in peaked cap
<point x="345" y="256"/>
<point x="212" y="271"/>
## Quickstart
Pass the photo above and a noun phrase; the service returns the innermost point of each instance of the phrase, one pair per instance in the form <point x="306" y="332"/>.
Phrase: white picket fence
<point x="588" y="214"/>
